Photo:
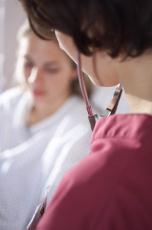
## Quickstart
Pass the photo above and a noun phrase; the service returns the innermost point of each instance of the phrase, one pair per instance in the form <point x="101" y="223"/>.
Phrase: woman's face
<point x="45" y="68"/>
<point x="100" y="67"/>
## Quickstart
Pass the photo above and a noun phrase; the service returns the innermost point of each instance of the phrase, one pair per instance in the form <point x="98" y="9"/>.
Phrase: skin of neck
<point x="135" y="75"/>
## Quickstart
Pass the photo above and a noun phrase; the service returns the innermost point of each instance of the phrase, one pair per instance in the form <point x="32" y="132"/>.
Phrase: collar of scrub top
<point x="110" y="109"/>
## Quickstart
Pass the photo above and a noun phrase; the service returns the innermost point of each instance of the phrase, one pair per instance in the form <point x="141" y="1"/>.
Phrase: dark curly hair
<point x="115" y="26"/>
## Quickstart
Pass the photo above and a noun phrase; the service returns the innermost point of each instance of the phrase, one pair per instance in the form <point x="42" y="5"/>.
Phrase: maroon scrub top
<point x="111" y="189"/>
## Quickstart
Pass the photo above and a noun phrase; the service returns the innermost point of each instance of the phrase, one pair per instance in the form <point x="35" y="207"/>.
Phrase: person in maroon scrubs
<point x="111" y="188"/>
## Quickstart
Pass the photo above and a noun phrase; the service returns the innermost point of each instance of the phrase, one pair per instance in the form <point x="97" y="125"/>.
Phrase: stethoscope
<point x="110" y="109"/>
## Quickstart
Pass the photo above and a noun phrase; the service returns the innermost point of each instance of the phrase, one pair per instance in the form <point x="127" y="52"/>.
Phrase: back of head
<point x="116" y="26"/>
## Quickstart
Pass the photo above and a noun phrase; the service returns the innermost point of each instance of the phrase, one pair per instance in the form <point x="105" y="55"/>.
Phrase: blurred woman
<point x="111" y="188"/>
<point x="44" y="130"/>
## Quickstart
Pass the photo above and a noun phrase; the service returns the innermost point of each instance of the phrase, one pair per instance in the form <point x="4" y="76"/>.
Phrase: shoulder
<point x="71" y="205"/>
<point x="10" y="98"/>
<point x="106" y="183"/>
<point x="76" y="112"/>
<point x="99" y="186"/>
<point x="83" y="192"/>
<point x="77" y="105"/>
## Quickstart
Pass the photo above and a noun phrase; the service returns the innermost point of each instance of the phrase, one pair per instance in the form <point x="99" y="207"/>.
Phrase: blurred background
<point x="11" y="17"/>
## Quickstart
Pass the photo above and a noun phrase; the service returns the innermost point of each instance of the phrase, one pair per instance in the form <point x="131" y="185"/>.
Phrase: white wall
<point x="14" y="16"/>
<point x="2" y="15"/>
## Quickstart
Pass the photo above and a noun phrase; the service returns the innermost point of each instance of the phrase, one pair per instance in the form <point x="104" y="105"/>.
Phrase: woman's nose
<point x="35" y="76"/>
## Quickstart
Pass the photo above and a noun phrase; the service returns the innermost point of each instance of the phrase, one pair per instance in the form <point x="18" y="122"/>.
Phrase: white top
<point x="31" y="156"/>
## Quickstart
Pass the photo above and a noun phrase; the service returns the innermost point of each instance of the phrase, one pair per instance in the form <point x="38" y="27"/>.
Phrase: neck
<point x="40" y="111"/>
<point x="136" y="78"/>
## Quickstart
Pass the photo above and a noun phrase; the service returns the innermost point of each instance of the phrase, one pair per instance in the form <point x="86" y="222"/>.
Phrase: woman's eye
<point x="52" y="70"/>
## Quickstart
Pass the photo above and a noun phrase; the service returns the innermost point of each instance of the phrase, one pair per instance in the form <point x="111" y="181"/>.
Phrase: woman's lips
<point x="38" y="93"/>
